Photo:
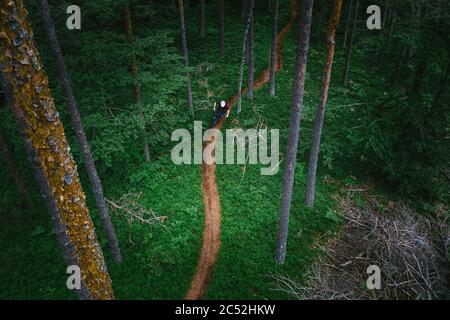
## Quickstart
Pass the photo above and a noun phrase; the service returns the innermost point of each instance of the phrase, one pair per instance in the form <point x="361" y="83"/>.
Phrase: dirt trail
<point x="211" y="234"/>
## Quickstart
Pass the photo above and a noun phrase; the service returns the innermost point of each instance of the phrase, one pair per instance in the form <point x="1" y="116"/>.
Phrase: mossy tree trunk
<point x="29" y="96"/>
<point x="79" y="131"/>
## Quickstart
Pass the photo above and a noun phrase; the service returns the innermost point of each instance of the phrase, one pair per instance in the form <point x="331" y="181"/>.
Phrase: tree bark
<point x="222" y="28"/>
<point x="202" y="18"/>
<point x="185" y="56"/>
<point x="15" y="172"/>
<point x="298" y="90"/>
<point x="79" y="131"/>
<point x="29" y="96"/>
<point x="241" y="69"/>
<point x="134" y="74"/>
<point x="317" y="132"/>
<point x="251" y="54"/>
<point x="247" y="43"/>
<point x="273" y="53"/>
<point x="348" y="50"/>
<point x="347" y="24"/>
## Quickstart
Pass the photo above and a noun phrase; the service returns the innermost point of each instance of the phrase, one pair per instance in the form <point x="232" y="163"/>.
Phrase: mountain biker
<point x="221" y="109"/>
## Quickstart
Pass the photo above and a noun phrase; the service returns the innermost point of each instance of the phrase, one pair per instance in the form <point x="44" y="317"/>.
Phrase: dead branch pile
<point x="408" y="249"/>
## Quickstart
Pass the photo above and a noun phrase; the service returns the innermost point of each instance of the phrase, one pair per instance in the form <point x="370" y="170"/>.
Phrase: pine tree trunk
<point x="28" y="93"/>
<point x="222" y="28"/>
<point x="202" y="18"/>
<point x="14" y="171"/>
<point x="347" y="24"/>
<point x="79" y="131"/>
<point x="273" y="53"/>
<point x="247" y="43"/>
<point x="348" y="50"/>
<point x="134" y="74"/>
<point x="317" y="132"/>
<point x="251" y="55"/>
<point x="241" y="69"/>
<point x="298" y="90"/>
<point x="185" y="56"/>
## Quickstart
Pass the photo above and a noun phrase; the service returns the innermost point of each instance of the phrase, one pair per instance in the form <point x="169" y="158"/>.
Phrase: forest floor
<point x="160" y="259"/>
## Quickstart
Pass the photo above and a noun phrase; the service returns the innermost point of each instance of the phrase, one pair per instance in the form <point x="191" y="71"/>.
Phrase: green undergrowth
<point x="160" y="259"/>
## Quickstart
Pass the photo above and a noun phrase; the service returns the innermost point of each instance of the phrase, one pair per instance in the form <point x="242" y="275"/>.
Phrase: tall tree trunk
<point x="14" y="171"/>
<point x="28" y="94"/>
<point x="241" y="69"/>
<point x="251" y="55"/>
<point x="79" y="131"/>
<point x="222" y="28"/>
<point x="247" y="43"/>
<point x="331" y="32"/>
<point x="202" y="18"/>
<point x="298" y="90"/>
<point x="347" y="24"/>
<point x="273" y="53"/>
<point x="185" y="56"/>
<point x="348" y="50"/>
<point x="134" y="74"/>
<point x="442" y="84"/>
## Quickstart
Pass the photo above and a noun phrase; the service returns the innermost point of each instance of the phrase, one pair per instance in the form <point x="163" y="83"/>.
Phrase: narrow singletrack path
<point x="211" y="233"/>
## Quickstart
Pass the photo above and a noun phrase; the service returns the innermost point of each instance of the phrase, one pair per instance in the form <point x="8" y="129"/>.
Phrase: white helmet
<point x="223" y="104"/>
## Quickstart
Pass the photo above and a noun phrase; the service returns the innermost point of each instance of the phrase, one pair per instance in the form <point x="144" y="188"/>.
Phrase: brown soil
<point x="211" y="234"/>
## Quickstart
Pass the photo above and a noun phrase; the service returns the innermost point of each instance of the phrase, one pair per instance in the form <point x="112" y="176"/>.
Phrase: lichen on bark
<point x="40" y="126"/>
